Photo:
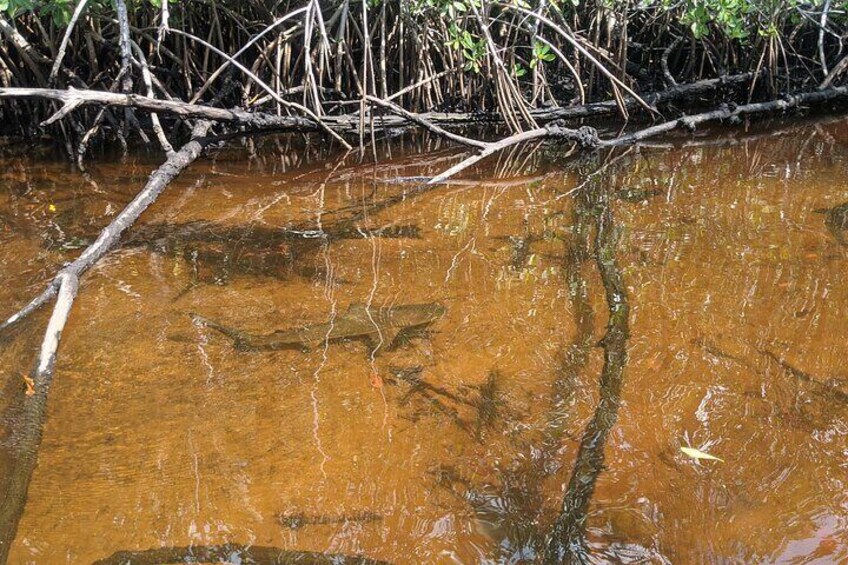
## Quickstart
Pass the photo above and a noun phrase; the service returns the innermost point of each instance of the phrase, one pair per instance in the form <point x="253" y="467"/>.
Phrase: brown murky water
<point x="720" y="290"/>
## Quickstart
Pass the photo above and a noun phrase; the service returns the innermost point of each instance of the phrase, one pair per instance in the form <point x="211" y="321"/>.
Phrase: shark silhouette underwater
<point x="380" y="326"/>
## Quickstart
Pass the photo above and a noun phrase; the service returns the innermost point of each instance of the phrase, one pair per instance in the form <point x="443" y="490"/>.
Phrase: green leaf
<point x="697" y="454"/>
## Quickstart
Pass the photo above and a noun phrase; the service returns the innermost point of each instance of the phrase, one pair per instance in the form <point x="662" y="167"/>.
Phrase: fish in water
<point x="299" y="520"/>
<point x="836" y="220"/>
<point x="376" y="324"/>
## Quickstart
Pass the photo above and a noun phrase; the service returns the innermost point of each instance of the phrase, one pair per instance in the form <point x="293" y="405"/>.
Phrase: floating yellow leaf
<point x="52" y="208"/>
<point x="697" y="454"/>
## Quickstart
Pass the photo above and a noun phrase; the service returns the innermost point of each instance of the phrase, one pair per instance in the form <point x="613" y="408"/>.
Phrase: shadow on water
<point x="566" y="542"/>
<point x="515" y="511"/>
<point x="217" y="253"/>
<point x="836" y="220"/>
<point x="251" y="250"/>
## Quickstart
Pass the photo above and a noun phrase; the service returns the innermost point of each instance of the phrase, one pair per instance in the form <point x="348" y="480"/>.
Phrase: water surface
<point x="601" y="312"/>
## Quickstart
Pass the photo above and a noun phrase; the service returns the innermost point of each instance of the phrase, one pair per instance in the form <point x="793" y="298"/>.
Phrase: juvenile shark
<point x="381" y="325"/>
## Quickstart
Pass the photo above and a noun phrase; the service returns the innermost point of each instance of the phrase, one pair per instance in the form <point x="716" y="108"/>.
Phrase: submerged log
<point x="232" y="553"/>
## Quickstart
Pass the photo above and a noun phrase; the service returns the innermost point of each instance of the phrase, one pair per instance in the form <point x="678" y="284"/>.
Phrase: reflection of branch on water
<point x="515" y="507"/>
<point x="24" y="454"/>
<point x="521" y="247"/>
<point x="487" y="404"/>
<point x="576" y="355"/>
<point x="567" y="538"/>
<point x="827" y="390"/>
<point x="412" y="376"/>
<point x="430" y="394"/>
<point x="232" y="553"/>
<point x="836" y="221"/>
<point x="824" y="389"/>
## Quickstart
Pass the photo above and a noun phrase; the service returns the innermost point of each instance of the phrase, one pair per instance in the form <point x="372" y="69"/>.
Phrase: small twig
<point x="66" y="109"/>
<point x="57" y="63"/>
<point x="822" y="27"/>
<point x="834" y="72"/>
<point x="154" y="117"/>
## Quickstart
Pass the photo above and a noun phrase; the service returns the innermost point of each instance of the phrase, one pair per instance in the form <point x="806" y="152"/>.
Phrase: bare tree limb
<point x="731" y="113"/>
<point x="64" y="286"/>
<point x="182" y="109"/>
<point x="110" y="235"/>
<point x="838" y="69"/>
<point x="425" y="123"/>
<point x="822" y="28"/>
<point x="28" y="53"/>
<point x="585" y="136"/>
<point x="261" y="120"/>
<point x="147" y="78"/>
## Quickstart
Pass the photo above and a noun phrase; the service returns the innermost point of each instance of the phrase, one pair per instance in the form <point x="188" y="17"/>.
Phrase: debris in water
<point x="30" y="385"/>
<point x="698" y="454"/>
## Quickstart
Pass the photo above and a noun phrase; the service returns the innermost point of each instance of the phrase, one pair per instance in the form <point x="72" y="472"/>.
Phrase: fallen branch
<point x="546" y="115"/>
<point x="727" y="112"/>
<point x="835" y="72"/>
<point x="425" y="123"/>
<point x="182" y="109"/>
<point x="230" y="551"/>
<point x="585" y="137"/>
<point x="110" y="235"/>
<point x="64" y="286"/>
<point x="351" y="123"/>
